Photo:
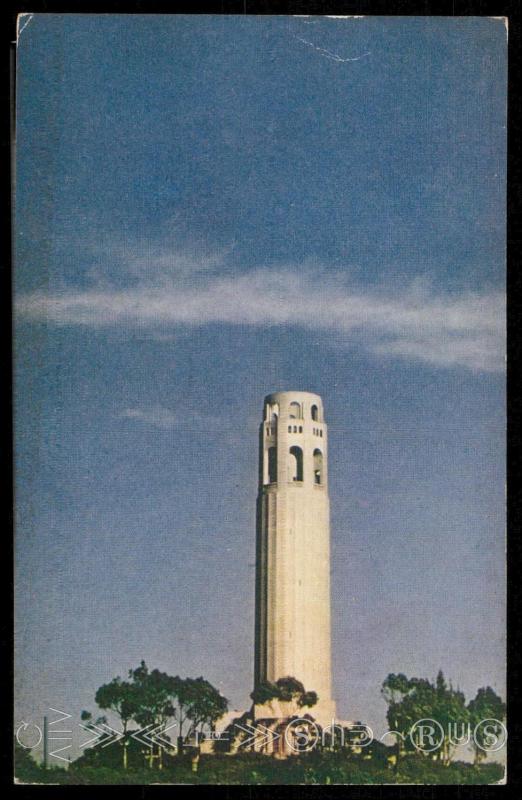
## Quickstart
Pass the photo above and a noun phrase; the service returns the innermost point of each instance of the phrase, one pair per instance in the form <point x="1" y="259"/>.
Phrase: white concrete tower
<point x="293" y="548"/>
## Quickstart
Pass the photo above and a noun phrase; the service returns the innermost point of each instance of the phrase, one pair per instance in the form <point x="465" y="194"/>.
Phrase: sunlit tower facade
<point x="292" y="636"/>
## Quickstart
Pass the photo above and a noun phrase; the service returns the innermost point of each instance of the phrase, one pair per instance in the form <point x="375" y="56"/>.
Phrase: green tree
<point x="121" y="698"/>
<point x="154" y="692"/>
<point x="307" y="699"/>
<point x="204" y="704"/>
<point x="145" y="698"/>
<point x="285" y="689"/>
<point x="289" y="688"/>
<point x="264" y="693"/>
<point x="449" y="710"/>
<point x="486" y="705"/>
<point x="413" y="699"/>
<point x="190" y="701"/>
<point x="395" y="690"/>
<point x="182" y="697"/>
<point x="26" y="768"/>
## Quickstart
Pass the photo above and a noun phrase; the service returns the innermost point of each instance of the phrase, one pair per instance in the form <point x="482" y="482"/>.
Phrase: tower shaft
<point x="293" y="547"/>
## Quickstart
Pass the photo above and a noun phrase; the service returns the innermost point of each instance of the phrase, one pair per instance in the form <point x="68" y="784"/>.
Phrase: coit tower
<point x="293" y="548"/>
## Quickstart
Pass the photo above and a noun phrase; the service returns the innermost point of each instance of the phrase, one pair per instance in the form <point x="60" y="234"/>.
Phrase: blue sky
<point x="209" y="209"/>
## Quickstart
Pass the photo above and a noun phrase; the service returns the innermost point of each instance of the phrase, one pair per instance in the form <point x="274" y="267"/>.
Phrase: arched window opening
<point x="271" y="412"/>
<point x="315" y="413"/>
<point x="296" y="464"/>
<point x="289" y="429"/>
<point x="294" y="411"/>
<point x="272" y="464"/>
<point x="300" y="428"/>
<point x="318" y="467"/>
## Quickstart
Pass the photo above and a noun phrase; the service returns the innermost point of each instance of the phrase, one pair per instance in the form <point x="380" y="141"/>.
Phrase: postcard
<point x="259" y="399"/>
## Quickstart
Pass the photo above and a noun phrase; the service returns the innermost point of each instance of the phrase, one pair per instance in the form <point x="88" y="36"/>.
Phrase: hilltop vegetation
<point x="257" y="769"/>
<point x="152" y="698"/>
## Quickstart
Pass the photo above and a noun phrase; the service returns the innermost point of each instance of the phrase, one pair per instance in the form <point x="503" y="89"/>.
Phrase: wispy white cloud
<point x="464" y="329"/>
<point x="168" y="419"/>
